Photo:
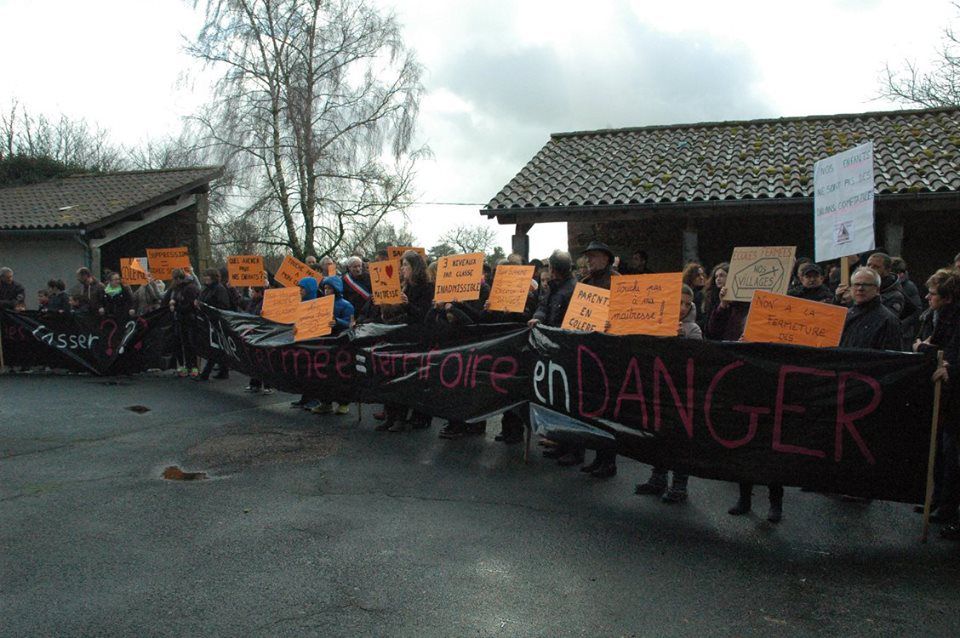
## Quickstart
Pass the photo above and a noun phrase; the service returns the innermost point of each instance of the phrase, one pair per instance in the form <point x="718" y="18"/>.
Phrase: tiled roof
<point x="81" y="200"/>
<point x="916" y="152"/>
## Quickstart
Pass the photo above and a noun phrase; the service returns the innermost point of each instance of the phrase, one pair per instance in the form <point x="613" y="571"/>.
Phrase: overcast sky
<point x="501" y="76"/>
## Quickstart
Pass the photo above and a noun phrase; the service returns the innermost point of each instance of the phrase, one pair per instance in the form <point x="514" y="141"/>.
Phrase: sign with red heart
<point x="385" y="281"/>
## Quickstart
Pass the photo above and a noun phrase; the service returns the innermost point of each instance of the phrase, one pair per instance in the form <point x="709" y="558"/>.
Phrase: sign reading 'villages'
<point x="459" y="278"/>
<point x="843" y="203"/>
<point x="385" y="282"/>
<point x="163" y="261"/>
<point x="588" y="309"/>
<point x="755" y="268"/>
<point x="780" y="319"/>
<point x="511" y="285"/>
<point x="645" y="304"/>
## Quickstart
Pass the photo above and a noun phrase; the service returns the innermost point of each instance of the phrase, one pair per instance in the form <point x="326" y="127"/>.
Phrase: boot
<point x="593" y="467"/>
<point x="608" y="469"/>
<point x="574" y="457"/>
<point x="743" y="504"/>
<point x="776" y="504"/>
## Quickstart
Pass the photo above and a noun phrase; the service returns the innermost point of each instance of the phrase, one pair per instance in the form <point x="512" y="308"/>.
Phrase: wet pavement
<point x="319" y="526"/>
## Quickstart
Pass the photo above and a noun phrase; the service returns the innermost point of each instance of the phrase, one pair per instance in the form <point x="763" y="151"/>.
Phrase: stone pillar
<point x="202" y="231"/>
<point x="520" y="242"/>
<point x="691" y="241"/>
<point x="893" y="238"/>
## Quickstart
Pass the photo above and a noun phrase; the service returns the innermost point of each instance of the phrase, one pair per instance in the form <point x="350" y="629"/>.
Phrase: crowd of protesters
<point x="885" y="312"/>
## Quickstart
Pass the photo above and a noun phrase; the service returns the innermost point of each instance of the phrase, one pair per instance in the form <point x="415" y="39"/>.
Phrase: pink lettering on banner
<point x="632" y="375"/>
<point x="846" y="420"/>
<point x="780" y="407"/>
<point x="512" y="365"/>
<point x="581" y="350"/>
<point x="686" y="415"/>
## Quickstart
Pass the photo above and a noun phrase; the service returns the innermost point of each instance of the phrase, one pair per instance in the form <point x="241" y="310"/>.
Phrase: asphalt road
<point x="319" y="526"/>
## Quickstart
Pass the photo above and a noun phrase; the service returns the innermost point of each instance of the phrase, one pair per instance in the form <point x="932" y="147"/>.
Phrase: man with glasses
<point x="869" y="323"/>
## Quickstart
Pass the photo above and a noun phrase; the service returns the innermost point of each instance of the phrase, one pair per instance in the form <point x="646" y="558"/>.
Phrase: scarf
<point x="113" y="291"/>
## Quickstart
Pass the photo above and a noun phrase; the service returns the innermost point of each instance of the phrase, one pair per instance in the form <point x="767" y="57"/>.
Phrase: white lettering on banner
<point x="226" y="343"/>
<point x="542" y="372"/>
<point x="64" y="341"/>
<point x="843" y="200"/>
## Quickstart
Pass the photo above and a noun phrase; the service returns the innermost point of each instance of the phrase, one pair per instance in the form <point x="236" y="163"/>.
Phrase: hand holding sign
<point x="511" y="285"/>
<point x="645" y="304"/>
<point x="588" y="309"/>
<point x="385" y="281"/>
<point x="780" y="319"/>
<point x="314" y="319"/>
<point x="459" y="277"/>
<point x="759" y="268"/>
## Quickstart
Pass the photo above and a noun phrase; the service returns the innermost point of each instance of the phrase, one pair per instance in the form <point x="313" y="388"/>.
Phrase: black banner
<point x="101" y="345"/>
<point x="847" y="421"/>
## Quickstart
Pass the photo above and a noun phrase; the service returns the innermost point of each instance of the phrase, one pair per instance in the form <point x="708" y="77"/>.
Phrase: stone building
<point x="695" y="191"/>
<point x="50" y="229"/>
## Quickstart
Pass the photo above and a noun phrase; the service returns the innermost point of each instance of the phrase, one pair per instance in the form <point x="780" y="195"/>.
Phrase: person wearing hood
<point x="214" y="294"/>
<point x="148" y="296"/>
<point x="308" y="291"/>
<point x="891" y="292"/>
<point x="811" y="285"/>
<point x="181" y="298"/>
<point x="657" y="484"/>
<point x="343" y="313"/>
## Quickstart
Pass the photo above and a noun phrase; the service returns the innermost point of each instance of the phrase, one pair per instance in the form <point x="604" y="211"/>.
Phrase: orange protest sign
<point x="645" y="304"/>
<point x="245" y="270"/>
<point x="132" y="272"/>
<point x="385" y="281"/>
<point x="759" y="268"/>
<point x="292" y="270"/>
<point x="163" y="261"/>
<point x="313" y="319"/>
<point x="781" y="319"/>
<point x="331" y="269"/>
<point x="511" y="285"/>
<point x="396" y="252"/>
<point x="459" y="278"/>
<point x="588" y="309"/>
<point x="280" y="304"/>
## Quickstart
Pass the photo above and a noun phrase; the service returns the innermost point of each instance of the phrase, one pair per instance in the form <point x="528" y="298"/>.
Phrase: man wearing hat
<point x="600" y="263"/>
<point x="812" y="287"/>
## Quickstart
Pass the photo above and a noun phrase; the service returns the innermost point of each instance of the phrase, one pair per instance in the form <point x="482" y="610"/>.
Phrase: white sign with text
<point x="843" y="203"/>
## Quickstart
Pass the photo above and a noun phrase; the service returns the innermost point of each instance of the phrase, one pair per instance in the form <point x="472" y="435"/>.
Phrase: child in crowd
<point x="254" y="306"/>
<point x="43" y="299"/>
<point x="343" y="313"/>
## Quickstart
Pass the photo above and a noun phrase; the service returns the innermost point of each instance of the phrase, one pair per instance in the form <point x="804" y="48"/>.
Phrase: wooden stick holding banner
<point x="934" y="428"/>
<point x="845" y="271"/>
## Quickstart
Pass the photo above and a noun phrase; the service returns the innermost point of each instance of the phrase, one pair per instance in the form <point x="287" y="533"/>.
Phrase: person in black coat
<point x="869" y="324"/>
<point x="181" y="299"/>
<point x="216" y="295"/>
<point x="416" y="298"/>
<point x="116" y="300"/>
<point x="811" y="285"/>
<point x="12" y="294"/>
<point x="944" y="298"/>
<point x="59" y="300"/>
<point x="556" y="295"/>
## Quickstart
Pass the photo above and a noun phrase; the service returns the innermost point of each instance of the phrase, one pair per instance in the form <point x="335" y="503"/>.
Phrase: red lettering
<point x="633" y="372"/>
<point x="459" y="359"/>
<point x="344" y="364"/>
<point x="780" y="407"/>
<point x="476" y="364"/>
<point x="496" y="376"/>
<point x="708" y="402"/>
<point x="321" y="358"/>
<point x="845" y="420"/>
<point x="686" y="415"/>
<point x="581" y="350"/>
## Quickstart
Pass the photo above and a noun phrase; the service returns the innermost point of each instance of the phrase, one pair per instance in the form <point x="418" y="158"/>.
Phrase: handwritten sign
<point x="280" y="304"/>
<point x="780" y="319"/>
<point x="313" y="319"/>
<point x="132" y="272"/>
<point x="759" y="268"/>
<point x="385" y="281"/>
<point x="163" y="261"/>
<point x="511" y="285"/>
<point x="645" y="304"/>
<point x="843" y="190"/>
<point x="396" y="252"/>
<point x="245" y="270"/>
<point x="292" y="270"/>
<point x="459" y="278"/>
<point x="588" y="309"/>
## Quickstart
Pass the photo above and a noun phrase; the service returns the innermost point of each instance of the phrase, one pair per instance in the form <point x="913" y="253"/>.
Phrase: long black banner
<point x="849" y="421"/>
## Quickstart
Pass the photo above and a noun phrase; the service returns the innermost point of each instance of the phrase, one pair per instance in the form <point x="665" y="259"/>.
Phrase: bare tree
<point x="470" y="239"/>
<point x="937" y="85"/>
<point x="367" y="239"/>
<point x="71" y="142"/>
<point x="316" y="108"/>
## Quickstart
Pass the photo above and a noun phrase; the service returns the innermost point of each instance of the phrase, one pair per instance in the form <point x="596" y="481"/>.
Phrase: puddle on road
<point x="139" y="409"/>
<point x="174" y="473"/>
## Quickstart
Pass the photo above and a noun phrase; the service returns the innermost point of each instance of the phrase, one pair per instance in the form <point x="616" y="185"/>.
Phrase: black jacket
<point x="216" y="295"/>
<point x="358" y="298"/>
<point x="118" y="305"/>
<point x="59" y="303"/>
<point x="553" y="305"/>
<point x="872" y="326"/>
<point x="823" y="294"/>
<point x="11" y="295"/>
<point x="419" y="301"/>
<point x="892" y="294"/>
<point x="183" y="297"/>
